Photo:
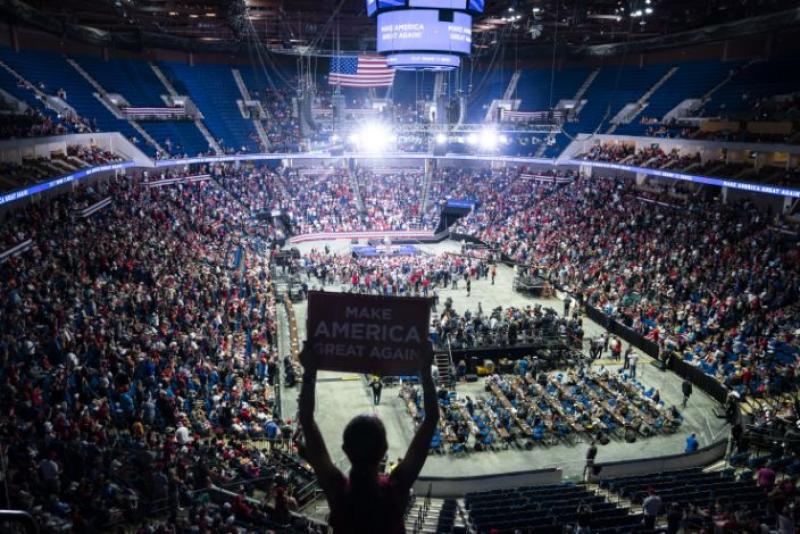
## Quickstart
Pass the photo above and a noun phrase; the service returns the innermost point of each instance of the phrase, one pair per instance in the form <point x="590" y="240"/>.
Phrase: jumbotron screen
<point x="374" y="6"/>
<point x="424" y="30"/>
<point x="439" y="4"/>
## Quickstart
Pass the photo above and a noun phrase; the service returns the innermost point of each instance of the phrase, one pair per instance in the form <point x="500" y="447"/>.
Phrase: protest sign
<point x="367" y="333"/>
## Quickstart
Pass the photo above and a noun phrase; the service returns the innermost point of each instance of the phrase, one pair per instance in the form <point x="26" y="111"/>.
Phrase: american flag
<point x="360" y="71"/>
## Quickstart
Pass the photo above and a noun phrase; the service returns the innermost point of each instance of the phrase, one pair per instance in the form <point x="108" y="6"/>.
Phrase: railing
<point x="19" y="517"/>
<point x="422" y="512"/>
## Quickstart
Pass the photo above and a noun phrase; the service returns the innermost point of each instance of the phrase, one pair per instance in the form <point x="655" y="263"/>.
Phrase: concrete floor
<point x="342" y="396"/>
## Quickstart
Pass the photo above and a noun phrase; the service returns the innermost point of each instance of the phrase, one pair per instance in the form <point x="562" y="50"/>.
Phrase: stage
<point x="342" y="396"/>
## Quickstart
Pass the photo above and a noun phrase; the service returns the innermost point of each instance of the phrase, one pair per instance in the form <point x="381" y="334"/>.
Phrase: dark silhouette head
<point x="364" y="441"/>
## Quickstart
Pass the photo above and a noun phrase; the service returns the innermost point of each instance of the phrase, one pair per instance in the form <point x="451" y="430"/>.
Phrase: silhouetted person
<point x="366" y="501"/>
<point x="377" y="386"/>
<point x="686" y="387"/>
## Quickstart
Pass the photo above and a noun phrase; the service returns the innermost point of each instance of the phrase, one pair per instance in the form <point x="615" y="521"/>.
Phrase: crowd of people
<point x="111" y="347"/>
<point x="393" y="199"/>
<point x="724" y="301"/>
<point x="503" y="327"/>
<point x="133" y="378"/>
<point x="400" y="274"/>
<point x="33" y="123"/>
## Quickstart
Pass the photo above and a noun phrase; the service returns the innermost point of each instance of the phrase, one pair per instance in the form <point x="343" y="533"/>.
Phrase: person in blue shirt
<point x="691" y="444"/>
<point x="273" y="429"/>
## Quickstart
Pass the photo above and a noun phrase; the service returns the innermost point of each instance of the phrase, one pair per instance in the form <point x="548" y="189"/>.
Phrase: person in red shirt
<point x="366" y="501"/>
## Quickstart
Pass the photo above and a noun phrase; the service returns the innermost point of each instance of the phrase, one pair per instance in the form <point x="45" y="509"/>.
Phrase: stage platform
<point x="342" y="396"/>
<point x="372" y="251"/>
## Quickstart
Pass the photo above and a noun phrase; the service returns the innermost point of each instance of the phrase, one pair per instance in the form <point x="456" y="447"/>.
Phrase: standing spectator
<point x="584" y="523"/>
<point x="616" y="348"/>
<point x="674" y="518"/>
<point x="494" y="273"/>
<point x="272" y="430"/>
<point x="626" y="357"/>
<point x="736" y="437"/>
<point x="435" y="373"/>
<point x="786" y="522"/>
<point x="286" y="434"/>
<point x="691" y="444"/>
<point x="591" y="454"/>
<point x="50" y="472"/>
<point x="567" y="302"/>
<point x="366" y="501"/>
<point x="651" y="508"/>
<point x="765" y="478"/>
<point x="633" y="359"/>
<point x="596" y="348"/>
<point x="377" y="386"/>
<point x="686" y="387"/>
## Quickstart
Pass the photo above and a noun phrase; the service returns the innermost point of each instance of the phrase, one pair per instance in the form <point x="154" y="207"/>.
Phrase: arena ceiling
<point x="297" y="25"/>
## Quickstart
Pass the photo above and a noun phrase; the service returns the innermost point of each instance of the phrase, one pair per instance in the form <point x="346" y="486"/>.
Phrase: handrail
<point x="453" y="379"/>
<point x="21" y="517"/>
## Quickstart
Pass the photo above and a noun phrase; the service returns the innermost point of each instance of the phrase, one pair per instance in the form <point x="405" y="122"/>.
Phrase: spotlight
<point x="373" y="137"/>
<point x="489" y="139"/>
<point x="441" y="138"/>
<point x="472" y="139"/>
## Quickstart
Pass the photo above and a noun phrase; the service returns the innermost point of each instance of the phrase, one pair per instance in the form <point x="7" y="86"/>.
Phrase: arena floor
<point x="342" y="396"/>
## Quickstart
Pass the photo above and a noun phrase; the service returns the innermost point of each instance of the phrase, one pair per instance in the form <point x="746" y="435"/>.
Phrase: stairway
<point x="431" y="516"/>
<point x="165" y="82"/>
<point x="586" y="84"/>
<point x="88" y="77"/>
<point x="356" y="191"/>
<point x="511" y="88"/>
<point x="706" y="97"/>
<point x="631" y="111"/>
<point x="656" y="86"/>
<point x="199" y="123"/>
<point x="102" y="96"/>
<point x="426" y="191"/>
<point x="446" y="378"/>
<point x="262" y="134"/>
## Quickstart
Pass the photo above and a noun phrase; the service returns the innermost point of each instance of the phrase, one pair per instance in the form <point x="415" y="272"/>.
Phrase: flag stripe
<point x="360" y="71"/>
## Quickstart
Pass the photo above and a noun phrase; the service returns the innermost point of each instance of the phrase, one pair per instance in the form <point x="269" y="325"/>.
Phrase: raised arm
<point x="407" y="471"/>
<point x="316" y="453"/>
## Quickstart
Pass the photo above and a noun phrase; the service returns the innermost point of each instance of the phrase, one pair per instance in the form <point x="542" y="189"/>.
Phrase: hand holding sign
<point x="367" y="333"/>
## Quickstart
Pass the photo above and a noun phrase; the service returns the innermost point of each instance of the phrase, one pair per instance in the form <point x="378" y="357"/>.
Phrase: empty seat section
<point x="213" y="89"/>
<point x="133" y="79"/>
<point x="55" y="73"/>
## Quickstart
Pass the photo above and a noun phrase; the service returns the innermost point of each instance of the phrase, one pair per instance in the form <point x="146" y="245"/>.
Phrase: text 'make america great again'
<point x="367" y="333"/>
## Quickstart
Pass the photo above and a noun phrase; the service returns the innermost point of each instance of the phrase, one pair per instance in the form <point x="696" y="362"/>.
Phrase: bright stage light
<point x="354" y="139"/>
<point x="489" y="139"/>
<point x="441" y="138"/>
<point x="374" y="137"/>
<point x="472" y="139"/>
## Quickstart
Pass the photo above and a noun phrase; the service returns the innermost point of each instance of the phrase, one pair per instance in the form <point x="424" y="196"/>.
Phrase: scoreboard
<point x="423" y="30"/>
<point x="424" y="34"/>
<point x="475" y="6"/>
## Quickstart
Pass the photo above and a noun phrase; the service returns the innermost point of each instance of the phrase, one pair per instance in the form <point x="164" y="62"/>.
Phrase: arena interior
<point x="597" y="203"/>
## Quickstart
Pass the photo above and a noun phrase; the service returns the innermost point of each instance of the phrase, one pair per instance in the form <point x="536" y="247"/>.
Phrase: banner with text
<point x="367" y="333"/>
